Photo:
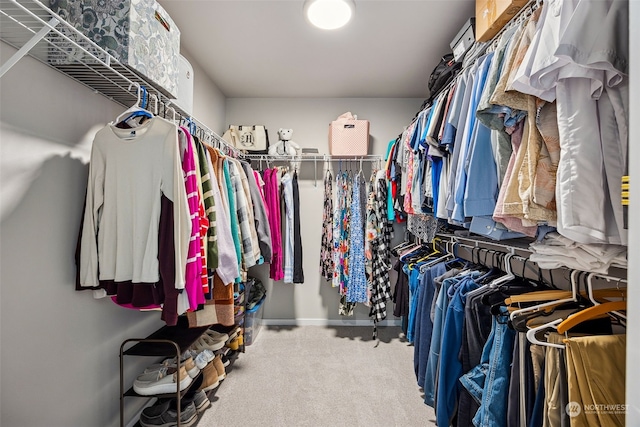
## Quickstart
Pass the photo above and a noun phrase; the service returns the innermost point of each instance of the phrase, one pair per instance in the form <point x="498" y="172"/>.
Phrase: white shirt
<point x="129" y="171"/>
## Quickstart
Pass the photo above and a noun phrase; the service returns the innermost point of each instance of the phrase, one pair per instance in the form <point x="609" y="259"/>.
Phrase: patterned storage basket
<point x="138" y="33"/>
<point x="349" y="136"/>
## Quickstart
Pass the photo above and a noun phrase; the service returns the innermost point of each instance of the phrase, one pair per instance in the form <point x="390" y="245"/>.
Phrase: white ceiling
<point x="265" y="48"/>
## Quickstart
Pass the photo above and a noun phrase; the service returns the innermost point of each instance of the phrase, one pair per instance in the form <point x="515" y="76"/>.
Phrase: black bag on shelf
<point x="443" y="74"/>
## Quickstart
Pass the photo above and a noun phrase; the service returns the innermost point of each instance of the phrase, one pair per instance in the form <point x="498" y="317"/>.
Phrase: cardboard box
<point x="493" y="15"/>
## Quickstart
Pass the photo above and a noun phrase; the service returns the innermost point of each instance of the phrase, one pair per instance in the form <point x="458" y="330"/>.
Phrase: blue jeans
<point x="431" y="373"/>
<point x="493" y="404"/>
<point x="414" y="289"/>
<point x="424" y="326"/>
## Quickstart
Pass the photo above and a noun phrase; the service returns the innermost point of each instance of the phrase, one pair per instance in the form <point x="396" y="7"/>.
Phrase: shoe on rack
<point x="240" y="339"/>
<point x="219" y="365"/>
<point x="205" y="341"/>
<point x="225" y="360"/>
<point x="199" y="399"/>
<point x="188" y="364"/>
<point x="214" y="344"/>
<point x="161" y="382"/>
<point x="217" y="336"/>
<point x="210" y="380"/>
<point x="203" y="358"/>
<point x="234" y="332"/>
<point x="233" y="344"/>
<point x="162" y="415"/>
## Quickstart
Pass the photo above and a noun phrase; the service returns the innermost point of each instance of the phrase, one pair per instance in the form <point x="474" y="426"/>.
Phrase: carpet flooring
<point x="321" y="377"/>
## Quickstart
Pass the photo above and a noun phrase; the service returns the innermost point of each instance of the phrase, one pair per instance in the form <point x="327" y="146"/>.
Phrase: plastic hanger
<point x="136" y="110"/>
<point x="591" y="293"/>
<point x="531" y="334"/>
<point x="573" y="298"/>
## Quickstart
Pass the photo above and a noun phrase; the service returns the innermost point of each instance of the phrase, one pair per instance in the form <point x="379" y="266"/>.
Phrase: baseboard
<point x="328" y="322"/>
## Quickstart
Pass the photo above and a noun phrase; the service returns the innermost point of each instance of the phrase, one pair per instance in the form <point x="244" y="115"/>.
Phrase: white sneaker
<point x="188" y="364"/>
<point x="161" y="382"/>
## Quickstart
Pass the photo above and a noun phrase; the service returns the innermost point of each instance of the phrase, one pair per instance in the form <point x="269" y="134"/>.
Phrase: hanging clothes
<point x="193" y="277"/>
<point x="298" y="272"/>
<point x="379" y="231"/>
<point x="272" y="197"/>
<point x="326" y="248"/>
<point x="289" y="227"/>
<point x="121" y="163"/>
<point x="357" y="290"/>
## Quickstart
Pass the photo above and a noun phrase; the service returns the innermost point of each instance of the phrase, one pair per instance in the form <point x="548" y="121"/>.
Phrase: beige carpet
<point x="321" y="376"/>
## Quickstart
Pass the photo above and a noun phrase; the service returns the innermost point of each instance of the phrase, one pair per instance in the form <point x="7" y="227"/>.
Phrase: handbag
<point x="252" y="139"/>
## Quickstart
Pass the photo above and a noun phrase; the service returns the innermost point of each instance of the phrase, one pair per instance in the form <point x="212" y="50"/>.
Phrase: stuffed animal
<point x="284" y="146"/>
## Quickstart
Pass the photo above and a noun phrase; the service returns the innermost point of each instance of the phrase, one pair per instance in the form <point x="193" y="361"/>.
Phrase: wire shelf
<point x="31" y="27"/>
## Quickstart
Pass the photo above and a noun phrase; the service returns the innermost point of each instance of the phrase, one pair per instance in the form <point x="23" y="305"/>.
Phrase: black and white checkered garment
<point x="380" y="283"/>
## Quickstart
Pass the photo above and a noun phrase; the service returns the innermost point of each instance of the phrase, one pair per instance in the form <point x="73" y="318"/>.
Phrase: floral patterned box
<point x="138" y="33"/>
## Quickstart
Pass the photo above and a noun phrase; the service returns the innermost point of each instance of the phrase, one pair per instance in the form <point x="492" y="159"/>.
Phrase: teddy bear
<point x="284" y="146"/>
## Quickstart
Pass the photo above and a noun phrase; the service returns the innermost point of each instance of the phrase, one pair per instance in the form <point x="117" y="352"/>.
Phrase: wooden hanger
<point x="590" y="313"/>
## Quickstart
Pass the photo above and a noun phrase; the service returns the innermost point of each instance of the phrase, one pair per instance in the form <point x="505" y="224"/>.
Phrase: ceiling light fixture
<point x="329" y="14"/>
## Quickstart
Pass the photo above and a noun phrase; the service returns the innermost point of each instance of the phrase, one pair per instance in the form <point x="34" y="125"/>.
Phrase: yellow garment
<point x="596" y="368"/>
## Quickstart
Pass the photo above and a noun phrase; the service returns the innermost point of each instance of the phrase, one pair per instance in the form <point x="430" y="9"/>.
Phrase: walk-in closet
<point x="319" y="213"/>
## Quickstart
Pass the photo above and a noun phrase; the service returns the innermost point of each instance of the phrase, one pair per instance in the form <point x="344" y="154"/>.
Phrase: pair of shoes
<point x="210" y="378"/>
<point x="189" y="364"/>
<point x="234" y="344"/>
<point x="162" y="381"/>
<point x="217" y="336"/>
<point x="162" y="415"/>
<point x="225" y="360"/>
<point x="203" y="358"/>
<point x="207" y="342"/>
<point x="219" y="365"/>
<point x="199" y="399"/>
<point x="235" y="332"/>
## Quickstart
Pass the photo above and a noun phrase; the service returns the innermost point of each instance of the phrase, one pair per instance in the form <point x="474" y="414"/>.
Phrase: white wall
<point x="633" y="324"/>
<point x="59" y="353"/>
<point x="316" y="301"/>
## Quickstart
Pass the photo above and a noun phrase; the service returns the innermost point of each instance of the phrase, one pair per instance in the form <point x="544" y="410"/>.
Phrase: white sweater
<point x="129" y="171"/>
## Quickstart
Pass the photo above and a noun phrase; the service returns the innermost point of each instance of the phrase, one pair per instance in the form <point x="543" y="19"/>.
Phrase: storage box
<point x="349" y="136"/>
<point x="493" y="15"/>
<point x="464" y="39"/>
<point x="185" y="87"/>
<point x="253" y="322"/>
<point x="138" y="33"/>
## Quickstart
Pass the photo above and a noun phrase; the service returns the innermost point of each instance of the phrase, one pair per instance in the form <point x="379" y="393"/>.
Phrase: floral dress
<point x="326" y="248"/>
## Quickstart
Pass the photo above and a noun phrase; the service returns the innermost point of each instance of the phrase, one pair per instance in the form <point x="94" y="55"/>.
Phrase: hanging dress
<point x="326" y="248"/>
<point x="357" y="290"/>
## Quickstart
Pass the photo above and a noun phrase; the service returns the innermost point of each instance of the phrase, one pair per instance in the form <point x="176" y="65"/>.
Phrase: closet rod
<point x="312" y="158"/>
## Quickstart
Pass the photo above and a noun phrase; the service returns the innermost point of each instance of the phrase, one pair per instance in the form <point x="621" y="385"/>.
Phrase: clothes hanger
<point x="591" y="292"/>
<point x="573" y="298"/>
<point x="531" y="334"/>
<point x="137" y="109"/>
<point x="592" y="313"/>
